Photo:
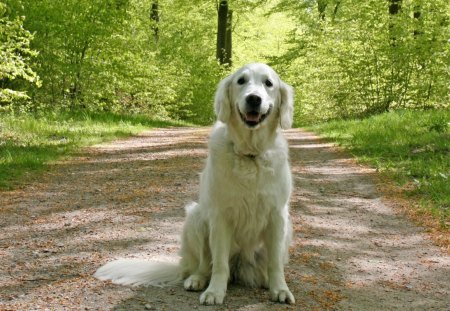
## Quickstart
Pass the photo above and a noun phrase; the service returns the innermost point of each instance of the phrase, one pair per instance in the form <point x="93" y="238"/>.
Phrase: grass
<point x="410" y="147"/>
<point x="28" y="143"/>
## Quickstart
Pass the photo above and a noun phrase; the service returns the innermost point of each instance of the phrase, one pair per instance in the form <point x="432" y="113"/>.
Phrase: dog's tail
<point x="140" y="272"/>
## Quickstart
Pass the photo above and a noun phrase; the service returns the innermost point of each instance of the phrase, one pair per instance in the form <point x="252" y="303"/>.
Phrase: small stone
<point x="149" y="307"/>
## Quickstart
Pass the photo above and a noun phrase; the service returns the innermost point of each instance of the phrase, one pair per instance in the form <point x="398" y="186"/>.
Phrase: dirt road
<point x="351" y="250"/>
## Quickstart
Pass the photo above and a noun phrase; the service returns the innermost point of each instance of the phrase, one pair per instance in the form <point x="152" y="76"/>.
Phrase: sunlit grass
<point x="411" y="147"/>
<point x="29" y="142"/>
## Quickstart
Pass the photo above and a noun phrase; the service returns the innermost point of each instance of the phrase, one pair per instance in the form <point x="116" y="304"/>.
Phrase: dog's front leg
<point x="275" y="237"/>
<point x="219" y="241"/>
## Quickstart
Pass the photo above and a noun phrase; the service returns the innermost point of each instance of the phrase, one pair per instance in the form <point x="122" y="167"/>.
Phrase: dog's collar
<point x="250" y="156"/>
<point x="242" y="153"/>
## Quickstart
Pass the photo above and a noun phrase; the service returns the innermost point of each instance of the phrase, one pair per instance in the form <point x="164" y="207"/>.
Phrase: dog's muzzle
<point x="253" y="116"/>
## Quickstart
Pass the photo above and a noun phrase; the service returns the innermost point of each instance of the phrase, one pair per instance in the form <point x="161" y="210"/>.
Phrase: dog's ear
<point x="222" y="104"/>
<point x="286" y="105"/>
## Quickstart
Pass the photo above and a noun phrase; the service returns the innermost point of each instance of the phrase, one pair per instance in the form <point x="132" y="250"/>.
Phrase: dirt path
<point x="125" y="199"/>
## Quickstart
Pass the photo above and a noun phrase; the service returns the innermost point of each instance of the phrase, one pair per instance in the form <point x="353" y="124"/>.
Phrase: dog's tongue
<point x="252" y="117"/>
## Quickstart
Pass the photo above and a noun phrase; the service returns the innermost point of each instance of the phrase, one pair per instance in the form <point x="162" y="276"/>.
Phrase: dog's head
<point x="254" y="94"/>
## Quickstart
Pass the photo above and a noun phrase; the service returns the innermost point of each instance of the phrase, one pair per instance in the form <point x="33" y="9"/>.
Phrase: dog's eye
<point x="241" y="81"/>
<point x="268" y="83"/>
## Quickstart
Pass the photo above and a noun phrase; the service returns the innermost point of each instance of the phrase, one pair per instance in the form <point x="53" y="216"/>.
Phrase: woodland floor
<point x="351" y="250"/>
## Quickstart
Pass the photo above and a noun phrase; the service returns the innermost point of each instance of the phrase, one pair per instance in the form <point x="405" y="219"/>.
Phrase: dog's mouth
<point x="253" y="118"/>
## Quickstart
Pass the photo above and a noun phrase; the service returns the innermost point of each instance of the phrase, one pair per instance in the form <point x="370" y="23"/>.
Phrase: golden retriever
<point x="240" y="229"/>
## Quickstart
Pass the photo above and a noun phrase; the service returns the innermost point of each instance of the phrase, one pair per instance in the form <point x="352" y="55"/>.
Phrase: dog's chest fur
<point x="243" y="189"/>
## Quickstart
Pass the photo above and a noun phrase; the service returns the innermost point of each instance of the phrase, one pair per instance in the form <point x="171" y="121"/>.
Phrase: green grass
<point x="411" y="147"/>
<point x="29" y="142"/>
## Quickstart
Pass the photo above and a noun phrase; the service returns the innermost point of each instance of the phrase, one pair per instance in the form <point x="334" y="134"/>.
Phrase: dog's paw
<point x="282" y="295"/>
<point x="210" y="297"/>
<point x="195" y="283"/>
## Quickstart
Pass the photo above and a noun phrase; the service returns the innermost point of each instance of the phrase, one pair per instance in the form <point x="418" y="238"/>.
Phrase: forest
<point x="346" y="58"/>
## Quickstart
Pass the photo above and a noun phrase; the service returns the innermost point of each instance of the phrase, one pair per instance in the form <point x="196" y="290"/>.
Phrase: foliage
<point x="411" y="146"/>
<point x="346" y="58"/>
<point x="69" y="36"/>
<point x="104" y="56"/>
<point x="15" y="57"/>
<point x="353" y="58"/>
<point x="29" y="142"/>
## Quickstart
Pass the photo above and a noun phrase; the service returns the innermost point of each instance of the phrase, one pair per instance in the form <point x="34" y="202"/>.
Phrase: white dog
<point x="240" y="229"/>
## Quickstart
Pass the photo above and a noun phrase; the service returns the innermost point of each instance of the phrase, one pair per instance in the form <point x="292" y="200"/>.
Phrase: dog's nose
<point x="254" y="101"/>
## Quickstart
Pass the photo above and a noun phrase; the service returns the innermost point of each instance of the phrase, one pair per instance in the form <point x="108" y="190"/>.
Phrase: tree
<point x="154" y="16"/>
<point x="15" y="56"/>
<point x="229" y="39"/>
<point x="224" y="38"/>
<point x="321" y="7"/>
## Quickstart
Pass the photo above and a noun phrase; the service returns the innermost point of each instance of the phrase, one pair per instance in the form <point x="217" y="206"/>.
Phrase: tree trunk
<point x="75" y="88"/>
<point x="394" y="6"/>
<point x="228" y="41"/>
<point x="393" y="80"/>
<point x="321" y="7"/>
<point x="223" y="49"/>
<point x="336" y="8"/>
<point x="416" y="15"/>
<point x="154" y="16"/>
<point x="394" y="9"/>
